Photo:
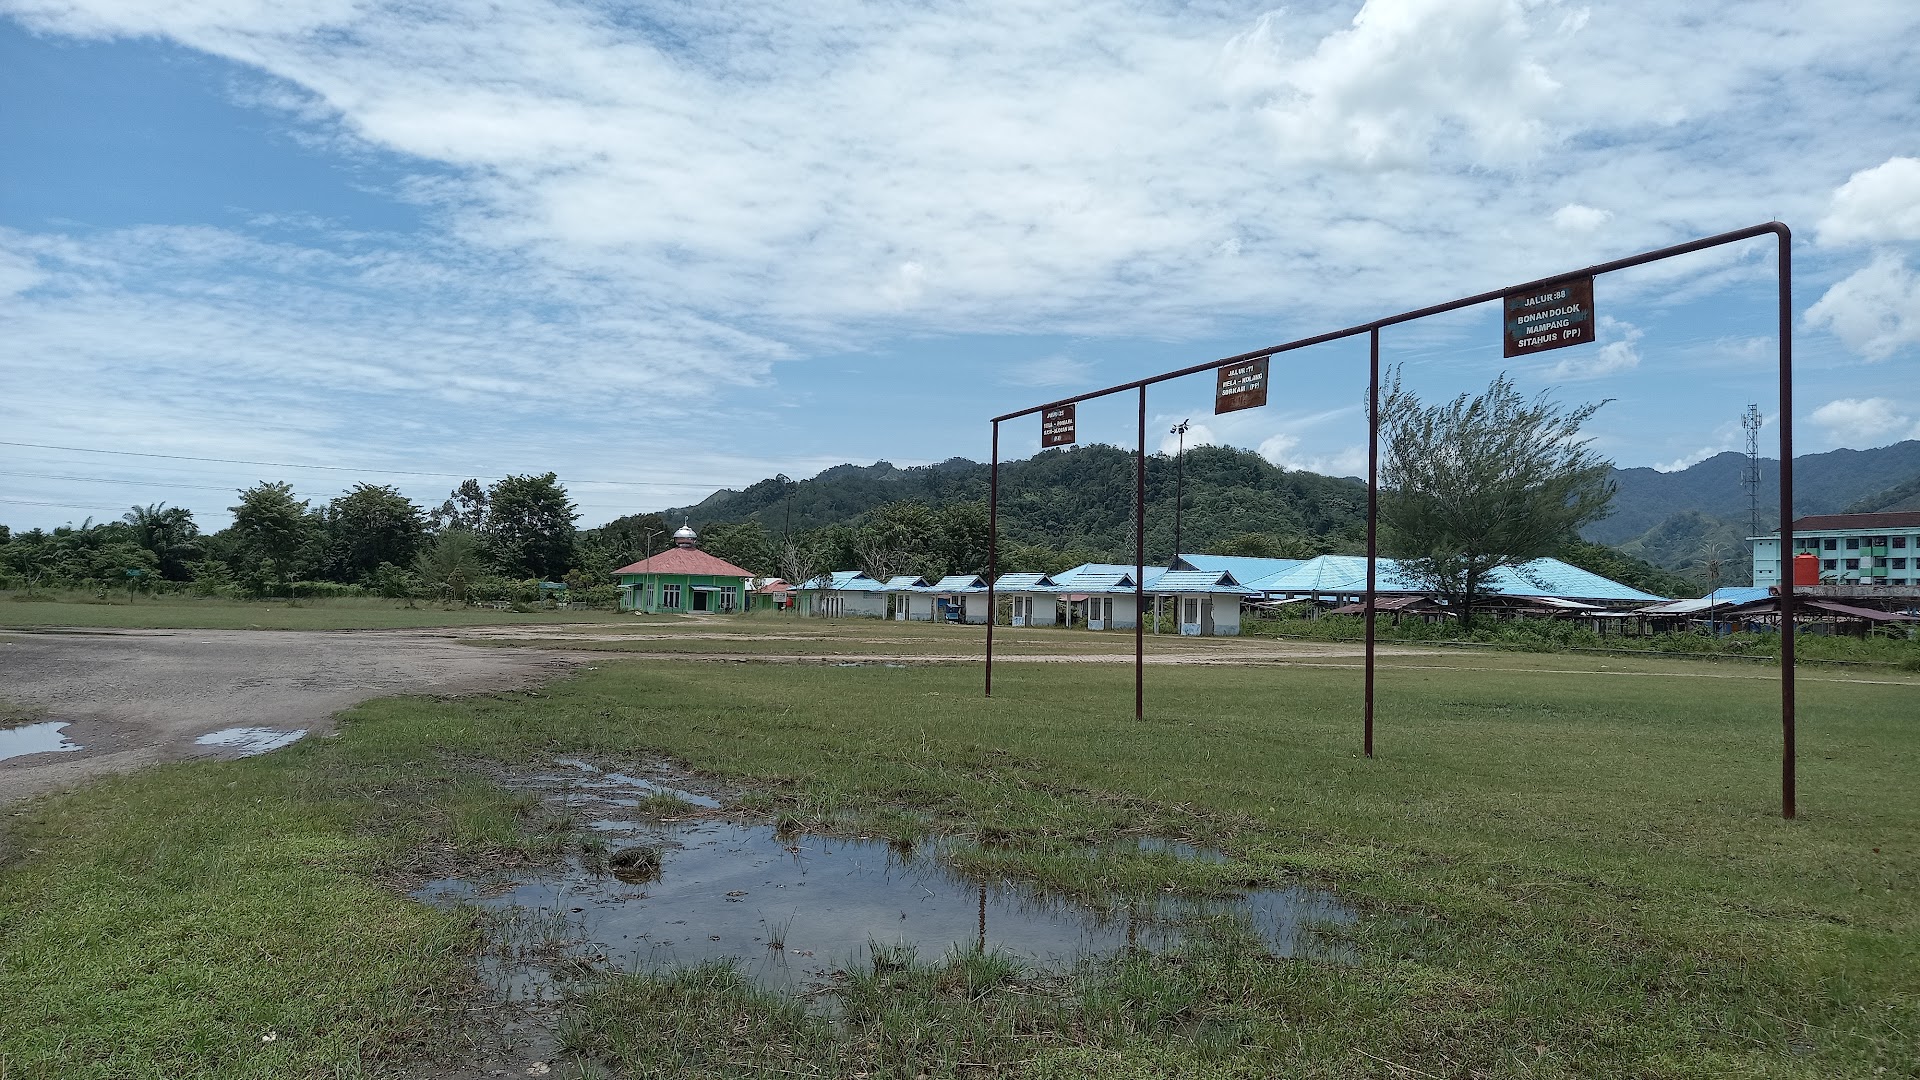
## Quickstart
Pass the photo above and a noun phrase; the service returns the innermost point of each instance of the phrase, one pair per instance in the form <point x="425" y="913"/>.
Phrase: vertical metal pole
<point x="1140" y="566"/>
<point x="1787" y="793"/>
<point x="993" y="548"/>
<point x="1373" y="514"/>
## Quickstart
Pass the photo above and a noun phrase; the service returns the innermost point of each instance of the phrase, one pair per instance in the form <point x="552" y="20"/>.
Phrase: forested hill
<point x="1695" y="520"/>
<point x="1080" y="497"/>
<point x="1828" y="483"/>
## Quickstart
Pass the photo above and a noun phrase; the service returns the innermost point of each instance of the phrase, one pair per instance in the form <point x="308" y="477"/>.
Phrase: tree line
<point x="1470" y="485"/>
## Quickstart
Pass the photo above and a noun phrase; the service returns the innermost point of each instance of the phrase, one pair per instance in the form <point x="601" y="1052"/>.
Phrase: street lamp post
<point x="1179" y="479"/>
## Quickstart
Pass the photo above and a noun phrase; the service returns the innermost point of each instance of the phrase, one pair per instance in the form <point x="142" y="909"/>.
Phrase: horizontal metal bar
<point x="1595" y="270"/>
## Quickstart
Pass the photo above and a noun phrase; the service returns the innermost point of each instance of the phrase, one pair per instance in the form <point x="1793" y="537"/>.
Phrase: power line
<point x="147" y="483"/>
<point x="346" y="468"/>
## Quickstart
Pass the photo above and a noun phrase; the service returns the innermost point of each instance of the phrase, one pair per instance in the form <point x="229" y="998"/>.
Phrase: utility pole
<point x="1179" y="479"/>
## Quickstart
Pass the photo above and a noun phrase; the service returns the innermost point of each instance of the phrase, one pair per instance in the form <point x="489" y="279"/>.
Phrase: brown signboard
<point x="1550" y="318"/>
<point x="1241" y="386"/>
<point x="1056" y="426"/>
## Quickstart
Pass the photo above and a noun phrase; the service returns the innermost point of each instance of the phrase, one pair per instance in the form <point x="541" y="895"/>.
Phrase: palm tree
<point x="452" y="560"/>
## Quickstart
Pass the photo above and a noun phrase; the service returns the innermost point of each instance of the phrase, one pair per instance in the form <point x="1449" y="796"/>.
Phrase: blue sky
<point x="665" y="248"/>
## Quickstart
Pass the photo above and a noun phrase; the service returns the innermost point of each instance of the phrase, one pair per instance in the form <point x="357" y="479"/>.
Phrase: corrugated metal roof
<point x="1097" y="583"/>
<point x="960" y="583"/>
<point x="1244" y="568"/>
<point x="1198" y="581"/>
<point x="845" y="581"/>
<point x="1102" y="571"/>
<point x="1024" y="583"/>
<point x="1542" y="577"/>
<point x="902" y="582"/>
<point x="1895" y="520"/>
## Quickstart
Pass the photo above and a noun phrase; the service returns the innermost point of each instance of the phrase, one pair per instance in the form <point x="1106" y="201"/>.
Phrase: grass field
<point x="1568" y="871"/>
<point x="348" y="613"/>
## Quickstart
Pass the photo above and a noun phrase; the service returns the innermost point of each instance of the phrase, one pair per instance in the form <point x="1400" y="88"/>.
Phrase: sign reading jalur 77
<point x="1056" y="426"/>
<point x="1240" y="386"/>
<point x="1551" y="318"/>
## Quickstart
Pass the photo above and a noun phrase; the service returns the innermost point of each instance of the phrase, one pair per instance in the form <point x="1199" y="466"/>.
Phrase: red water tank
<point x="1806" y="570"/>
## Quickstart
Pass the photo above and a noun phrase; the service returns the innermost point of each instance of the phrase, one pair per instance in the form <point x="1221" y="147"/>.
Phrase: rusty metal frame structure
<point x="1372" y="330"/>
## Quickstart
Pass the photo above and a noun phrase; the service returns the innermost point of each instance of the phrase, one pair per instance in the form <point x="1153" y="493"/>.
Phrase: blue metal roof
<point x="1347" y="574"/>
<point x="1198" y="581"/>
<point x="1024" y="583"/>
<point x="844" y="581"/>
<point x="903" y="582"/>
<point x="1073" y="580"/>
<point x="1244" y="568"/>
<point x="960" y="583"/>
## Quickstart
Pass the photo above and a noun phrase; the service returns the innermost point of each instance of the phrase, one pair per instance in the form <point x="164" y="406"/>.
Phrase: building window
<point x="1899" y="564"/>
<point x="727" y="599"/>
<point x="1829" y="564"/>
<point x="1853" y="564"/>
<point x="1832" y="544"/>
<point x="1853" y="543"/>
<point x="670" y="597"/>
<point x="1899" y="541"/>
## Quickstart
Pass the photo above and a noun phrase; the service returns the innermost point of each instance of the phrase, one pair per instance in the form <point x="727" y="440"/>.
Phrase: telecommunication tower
<point x="1750" y="476"/>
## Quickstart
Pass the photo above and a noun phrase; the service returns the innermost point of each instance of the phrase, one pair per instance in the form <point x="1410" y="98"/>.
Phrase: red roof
<point x="685" y="561"/>
<point x="1903" y="519"/>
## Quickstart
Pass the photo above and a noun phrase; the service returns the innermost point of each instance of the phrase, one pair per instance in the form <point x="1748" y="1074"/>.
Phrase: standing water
<point x="42" y="738"/>
<point x="788" y="910"/>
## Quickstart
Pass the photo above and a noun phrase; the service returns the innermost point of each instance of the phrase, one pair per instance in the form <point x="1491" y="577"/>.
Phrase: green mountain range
<point x="1691" y="522"/>
<point x="1079" y="498"/>
<point x="1696" y="520"/>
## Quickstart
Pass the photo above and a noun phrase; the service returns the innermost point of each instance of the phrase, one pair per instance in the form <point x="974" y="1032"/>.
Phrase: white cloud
<point x="1050" y="371"/>
<point x="18" y="273"/>
<point x="666" y="201"/>
<point x="1616" y="353"/>
<point x="1283" y="450"/>
<point x="1576" y="218"/>
<point x="1100" y="167"/>
<point x="1875" y="310"/>
<point x="1406" y="75"/>
<point x="1876" y="206"/>
<point x="1854" y="420"/>
<point x="1687" y="461"/>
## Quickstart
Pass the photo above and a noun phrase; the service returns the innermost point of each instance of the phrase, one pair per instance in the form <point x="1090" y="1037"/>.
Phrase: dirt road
<point x="136" y="697"/>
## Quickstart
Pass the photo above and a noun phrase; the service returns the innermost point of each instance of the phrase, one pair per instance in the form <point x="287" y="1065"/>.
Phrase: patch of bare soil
<point x="132" y="698"/>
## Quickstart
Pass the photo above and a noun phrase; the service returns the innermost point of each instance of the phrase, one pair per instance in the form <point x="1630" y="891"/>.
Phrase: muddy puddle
<point x="789" y="910"/>
<point x="41" y="738"/>
<point x="248" y="741"/>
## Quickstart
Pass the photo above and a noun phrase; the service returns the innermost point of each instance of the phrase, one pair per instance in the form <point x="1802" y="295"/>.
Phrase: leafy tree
<point x="798" y="561"/>
<point x="529" y="526"/>
<point x="371" y="525"/>
<point x="465" y="509"/>
<point x="270" y="538"/>
<point x="24" y="557"/>
<point x="961" y="540"/>
<point x="1620" y="566"/>
<point x="1481" y="482"/>
<point x="452" y="562"/>
<point x="170" y="534"/>
<point x="744" y="544"/>
<point x="620" y="542"/>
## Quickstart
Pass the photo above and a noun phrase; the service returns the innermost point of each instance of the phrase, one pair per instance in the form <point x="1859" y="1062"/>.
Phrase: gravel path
<point x="135" y="697"/>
